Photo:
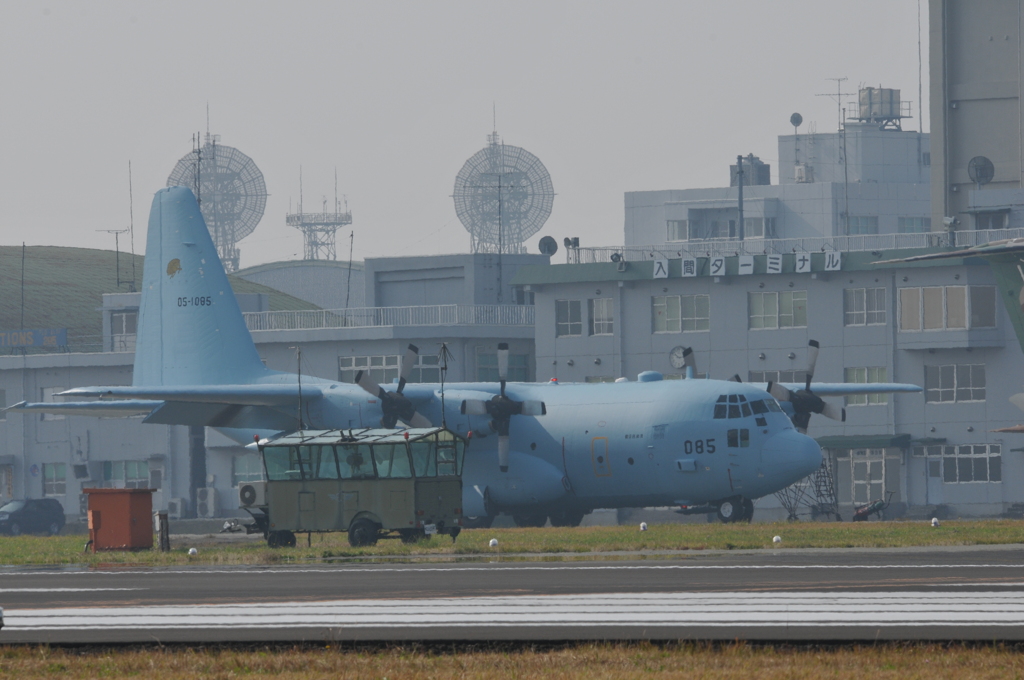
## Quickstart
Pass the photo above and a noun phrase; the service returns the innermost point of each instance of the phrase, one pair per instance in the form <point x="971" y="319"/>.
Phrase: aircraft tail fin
<point x="191" y="330"/>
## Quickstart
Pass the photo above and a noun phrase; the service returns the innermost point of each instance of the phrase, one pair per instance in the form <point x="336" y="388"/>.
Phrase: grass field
<point x="583" y="661"/>
<point x="24" y="550"/>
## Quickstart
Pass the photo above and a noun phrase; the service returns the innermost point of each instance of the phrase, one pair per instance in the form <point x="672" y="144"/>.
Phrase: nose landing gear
<point x="736" y="509"/>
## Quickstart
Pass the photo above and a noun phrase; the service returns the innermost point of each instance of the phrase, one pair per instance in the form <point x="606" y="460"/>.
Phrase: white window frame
<point x="867" y="374"/>
<point x="572" y="327"/>
<point x="906" y="294"/>
<point x="382" y="368"/>
<point x="869" y="222"/>
<point x="57" y="486"/>
<point x="872" y="460"/>
<point x="601" y="316"/>
<point x="781" y="376"/>
<point x="913" y="225"/>
<point x="774" y="320"/>
<point x="967" y="460"/>
<point x="864" y="307"/>
<point x="957" y="388"/>
<point x="677" y="230"/>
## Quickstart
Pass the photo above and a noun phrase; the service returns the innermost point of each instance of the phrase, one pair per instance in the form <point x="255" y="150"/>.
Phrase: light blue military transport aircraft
<point x="539" y="450"/>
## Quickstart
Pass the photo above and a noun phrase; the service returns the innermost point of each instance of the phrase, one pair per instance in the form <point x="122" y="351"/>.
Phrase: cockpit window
<point x="720" y="410"/>
<point x="734" y="411"/>
<point x="758" y="407"/>
<point x="721" y="399"/>
<point x="746" y="408"/>
<point x="742" y="398"/>
<point x="733" y="399"/>
<point x="773" y="405"/>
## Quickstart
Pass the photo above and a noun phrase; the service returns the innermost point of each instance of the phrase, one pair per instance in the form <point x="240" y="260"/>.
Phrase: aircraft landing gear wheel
<point x="530" y="520"/>
<point x="730" y="510"/>
<point x="281" y="539"/>
<point x="568" y="518"/>
<point x="362" y="532"/>
<point x="748" y="510"/>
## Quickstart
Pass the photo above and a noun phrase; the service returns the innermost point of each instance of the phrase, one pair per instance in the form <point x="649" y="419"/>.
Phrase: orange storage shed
<point x="120" y="519"/>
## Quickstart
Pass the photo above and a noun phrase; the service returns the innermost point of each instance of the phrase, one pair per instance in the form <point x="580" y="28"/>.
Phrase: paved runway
<point x="971" y="593"/>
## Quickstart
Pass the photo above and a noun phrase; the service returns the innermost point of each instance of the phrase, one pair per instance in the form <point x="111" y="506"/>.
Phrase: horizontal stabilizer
<point x="242" y="395"/>
<point x="96" y="409"/>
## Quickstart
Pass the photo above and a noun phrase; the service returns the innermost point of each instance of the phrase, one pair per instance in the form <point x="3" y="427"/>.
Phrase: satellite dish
<point x="981" y="170"/>
<point x="503" y="195"/>
<point x="231" y="191"/>
<point x="796" y="119"/>
<point x="548" y="246"/>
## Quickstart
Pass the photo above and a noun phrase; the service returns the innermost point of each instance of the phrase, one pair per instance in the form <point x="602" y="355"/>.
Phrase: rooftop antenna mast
<point x="841" y="127"/>
<point x="131" y="223"/>
<point x="319" y="229"/>
<point x="117" y="251"/>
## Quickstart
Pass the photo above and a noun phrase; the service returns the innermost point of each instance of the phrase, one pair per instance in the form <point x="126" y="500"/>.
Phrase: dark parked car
<point x="32" y="516"/>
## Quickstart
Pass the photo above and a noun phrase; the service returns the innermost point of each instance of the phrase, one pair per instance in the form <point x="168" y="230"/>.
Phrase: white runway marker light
<point x="777" y="540"/>
<point x="192" y="552"/>
<point x="935" y="521"/>
<point x="493" y="543"/>
<point x="643" y="526"/>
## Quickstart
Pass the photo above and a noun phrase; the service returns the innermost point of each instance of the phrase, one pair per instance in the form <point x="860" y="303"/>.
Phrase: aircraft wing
<point x="850" y="389"/>
<point x="237" y="395"/>
<point x="1015" y="245"/>
<point x="98" y="409"/>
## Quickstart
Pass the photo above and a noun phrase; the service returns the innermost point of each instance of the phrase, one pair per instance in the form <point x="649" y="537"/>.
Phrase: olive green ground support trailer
<point x="368" y="482"/>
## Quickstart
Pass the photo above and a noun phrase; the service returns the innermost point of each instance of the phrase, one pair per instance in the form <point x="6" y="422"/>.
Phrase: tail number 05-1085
<point x="199" y="301"/>
<point x="698" y="446"/>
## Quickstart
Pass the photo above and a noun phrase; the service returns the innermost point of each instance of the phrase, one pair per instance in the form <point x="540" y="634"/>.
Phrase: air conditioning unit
<point x="803" y="174"/>
<point x="206" y="502"/>
<point x="176" y="508"/>
<point x="252" y="494"/>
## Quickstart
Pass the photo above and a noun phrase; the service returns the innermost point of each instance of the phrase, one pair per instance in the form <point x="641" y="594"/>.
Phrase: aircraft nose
<point x="792" y="455"/>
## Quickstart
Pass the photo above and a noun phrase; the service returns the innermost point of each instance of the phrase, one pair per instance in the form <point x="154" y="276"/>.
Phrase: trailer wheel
<point x="362" y="532"/>
<point x="281" y="539"/>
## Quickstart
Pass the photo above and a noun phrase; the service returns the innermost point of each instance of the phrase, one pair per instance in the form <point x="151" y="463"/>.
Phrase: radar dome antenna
<point x="503" y="196"/>
<point x="233" y="193"/>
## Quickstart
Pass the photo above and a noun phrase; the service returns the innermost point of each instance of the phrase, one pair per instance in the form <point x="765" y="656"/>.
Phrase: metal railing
<point x="368" y="317"/>
<point x="760" y="246"/>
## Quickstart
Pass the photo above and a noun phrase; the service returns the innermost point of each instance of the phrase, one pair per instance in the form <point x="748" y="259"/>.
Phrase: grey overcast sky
<point x="611" y="96"/>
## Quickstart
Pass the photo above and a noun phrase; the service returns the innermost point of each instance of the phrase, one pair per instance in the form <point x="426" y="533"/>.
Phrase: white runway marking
<point x="62" y="590"/>
<point x="645" y="609"/>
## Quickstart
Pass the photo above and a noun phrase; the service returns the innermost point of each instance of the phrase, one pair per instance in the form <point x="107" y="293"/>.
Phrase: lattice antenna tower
<point x="231" y="192"/>
<point x="319" y="229"/>
<point x="503" y="195"/>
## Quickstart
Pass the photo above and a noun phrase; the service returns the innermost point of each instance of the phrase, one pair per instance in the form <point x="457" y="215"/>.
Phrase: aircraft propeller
<point x="804" y="401"/>
<point x="501" y="408"/>
<point x="395" y="405"/>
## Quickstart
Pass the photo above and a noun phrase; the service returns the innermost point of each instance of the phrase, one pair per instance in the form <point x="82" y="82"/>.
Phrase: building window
<point x="123" y="329"/>
<point x="246" y="468"/>
<point x="869" y="374"/>
<point x="677" y="230"/>
<point x="954" y="383"/>
<point x="864" y="306"/>
<point x="868" y="474"/>
<point x="990" y="220"/>
<point x="602" y="316"/>
<point x="777" y="376"/>
<point x="926" y="158"/>
<point x="487" y="366"/>
<point x="426" y="369"/>
<point x="47" y="394"/>
<point x="523" y="297"/>
<point x="382" y="369"/>
<point x="678" y="313"/>
<point x="568" y="318"/>
<point x="787" y="309"/>
<point x="862" y="224"/>
<point x="913" y="225"/>
<point x="54" y="480"/>
<point x="938" y="308"/>
<point x="963" y="464"/>
<point x="126" y="474"/>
